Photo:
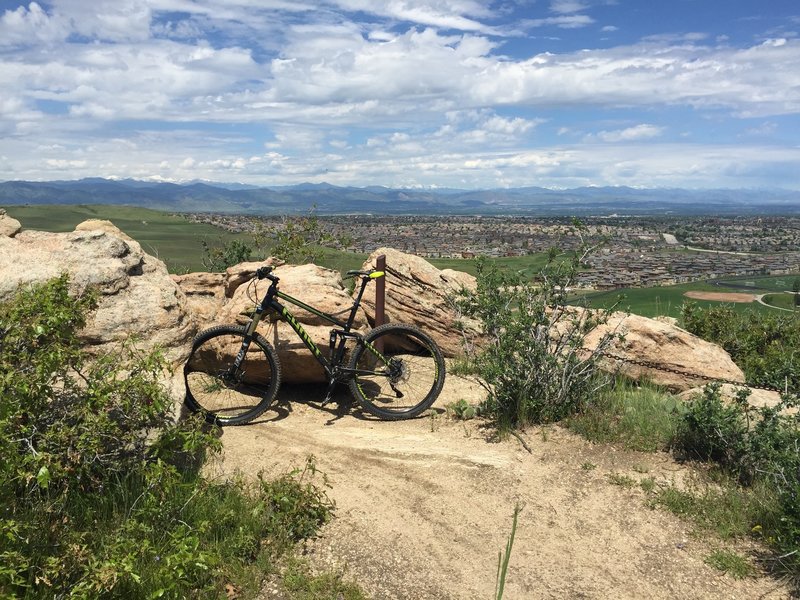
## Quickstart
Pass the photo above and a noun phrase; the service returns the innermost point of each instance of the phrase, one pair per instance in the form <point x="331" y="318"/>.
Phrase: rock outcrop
<point x="205" y="294"/>
<point x="758" y="398"/>
<point x="665" y="346"/>
<point x="420" y="294"/>
<point x="8" y="227"/>
<point x="137" y="297"/>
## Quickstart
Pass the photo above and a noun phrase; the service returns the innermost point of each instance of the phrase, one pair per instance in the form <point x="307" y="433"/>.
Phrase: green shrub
<point x="69" y="423"/>
<point x="218" y="256"/>
<point x="100" y="489"/>
<point x="758" y="447"/>
<point x="532" y="363"/>
<point x="461" y="410"/>
<point x="765" y="345"/>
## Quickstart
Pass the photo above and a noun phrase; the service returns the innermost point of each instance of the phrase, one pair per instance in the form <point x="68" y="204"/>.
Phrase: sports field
<point x="668" y="300"/>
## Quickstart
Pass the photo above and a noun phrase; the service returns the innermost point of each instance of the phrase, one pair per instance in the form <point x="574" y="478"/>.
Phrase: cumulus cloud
<point x="31" y="24"/>
<point x="348" y="89"/>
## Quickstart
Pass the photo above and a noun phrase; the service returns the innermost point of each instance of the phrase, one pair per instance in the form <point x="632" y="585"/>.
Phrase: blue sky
<point x="404" y="93"/>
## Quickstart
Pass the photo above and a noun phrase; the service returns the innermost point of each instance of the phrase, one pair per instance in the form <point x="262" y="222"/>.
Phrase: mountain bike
<point x="233" y="374"/>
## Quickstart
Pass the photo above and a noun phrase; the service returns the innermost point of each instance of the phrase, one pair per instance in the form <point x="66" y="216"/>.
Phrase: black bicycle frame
<point x="331" y="365"/>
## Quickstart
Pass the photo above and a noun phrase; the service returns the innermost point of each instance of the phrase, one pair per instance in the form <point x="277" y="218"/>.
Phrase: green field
<point x="784" y="300"/>
<point x="668" y="300"/>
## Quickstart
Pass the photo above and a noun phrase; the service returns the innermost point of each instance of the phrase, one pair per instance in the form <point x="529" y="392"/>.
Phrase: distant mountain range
<point x="330" y="199"/>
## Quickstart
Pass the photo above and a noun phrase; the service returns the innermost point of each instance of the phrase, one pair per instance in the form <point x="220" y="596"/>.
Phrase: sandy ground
<point x="424" y="506"/>
<point x="721" y="296"/>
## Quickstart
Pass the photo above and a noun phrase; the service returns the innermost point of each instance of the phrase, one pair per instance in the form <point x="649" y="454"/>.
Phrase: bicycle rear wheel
<point x="224" y="394"/>
<point x="399" y="372"/>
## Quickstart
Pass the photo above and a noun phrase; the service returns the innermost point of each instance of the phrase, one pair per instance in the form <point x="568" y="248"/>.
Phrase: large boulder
<point x="137" y="297"/>
<point x="319" y="287"/>
<point x="8" y="227"/>
<point x="662" y="353"/>
<point x="207" y="293"/>
<point x="420" y="294"/>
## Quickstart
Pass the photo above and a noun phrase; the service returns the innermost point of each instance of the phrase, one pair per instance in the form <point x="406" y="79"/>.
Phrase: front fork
<point x="249" y="334"/>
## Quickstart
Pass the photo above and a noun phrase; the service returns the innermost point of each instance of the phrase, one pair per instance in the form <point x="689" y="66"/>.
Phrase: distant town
<point x="632" y="251"/>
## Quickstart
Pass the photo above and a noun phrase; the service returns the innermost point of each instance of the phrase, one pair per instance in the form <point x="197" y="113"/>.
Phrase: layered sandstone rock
<point x="667" y="348"/>
<point x="420" y="294"/>
<point x="205" y="294"/>
<point x="137" y="298"/>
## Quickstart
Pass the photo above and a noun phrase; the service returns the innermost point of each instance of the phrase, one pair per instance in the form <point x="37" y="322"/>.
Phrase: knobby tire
<point x="224" y="397"/>
<point x="400" y="372"/>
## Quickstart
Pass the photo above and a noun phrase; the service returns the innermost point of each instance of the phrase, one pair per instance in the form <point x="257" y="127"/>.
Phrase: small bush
<point x="532" y="364"/>
<point x="219" y="255"/>
<point x="462" y="410"/>
<point x="766" y="346"/>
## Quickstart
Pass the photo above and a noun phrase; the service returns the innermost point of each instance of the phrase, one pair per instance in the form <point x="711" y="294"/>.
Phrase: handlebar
<point x="265" y="273"/>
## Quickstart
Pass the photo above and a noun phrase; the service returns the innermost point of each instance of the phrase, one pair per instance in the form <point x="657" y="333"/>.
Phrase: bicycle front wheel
<point x="398" y="372"/>
<point x="227" y="395"/>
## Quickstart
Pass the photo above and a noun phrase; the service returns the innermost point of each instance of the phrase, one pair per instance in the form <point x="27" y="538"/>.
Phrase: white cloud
<point x="272" y="87"/>
<point x="766" y="129"/>
<point x="567" y="6"/>
<point x="750" y="81"/>
<point x="462" y="15"/>
<point x="26" y="25"/>
<point x="631" y="134"/>
<point x="564" y="22"/>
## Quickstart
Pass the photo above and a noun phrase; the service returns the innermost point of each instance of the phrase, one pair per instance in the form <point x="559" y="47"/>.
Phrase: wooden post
<point x="380" y="291"/>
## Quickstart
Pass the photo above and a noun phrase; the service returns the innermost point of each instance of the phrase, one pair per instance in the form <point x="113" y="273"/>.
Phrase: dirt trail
<point x="424" y="506"/>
